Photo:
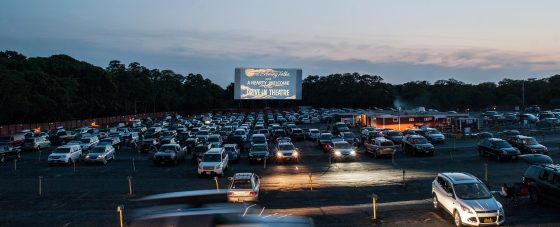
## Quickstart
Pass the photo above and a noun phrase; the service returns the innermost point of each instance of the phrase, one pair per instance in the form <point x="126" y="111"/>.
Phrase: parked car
<point x="100" y="154"/>
<point x="115" y="142"/>
<point x="350" y="138"/>
<point x="527" y="145"/>
<point x="394" y="135"/>
<point x="258" y="152"/>
<point x="417" y="145"/>
<point x="324" y="139"/>
<point x="199" y="151"/>
<point x="169" y="153"/>
<point x="88" y="142"/>
<point x="233" y="152"/>
<point x="380" y="147"/>
<point x="241" y="134"/>
<point x="286" y="151"/>
<point x="467" y="199"/>
<point x="214" y="161"/>
<point x="65" y="154"/>
<point x="36" y="143"/>
<point x="7" y="152"/>
<point x="244" y="187"/>
<point x="15" y="140"/>
<point x="433" y="135"/>
<point x="342" y="150"/>
<point x="543" y="182"/>
<point x="498" y="148"/>
<point x="149" y="144"/>
<point x="313" y="134"/>
<point x="190" y="143"/>
<point x="297" y="134"/>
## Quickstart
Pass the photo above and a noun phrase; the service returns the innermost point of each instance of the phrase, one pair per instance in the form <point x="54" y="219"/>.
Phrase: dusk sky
<point x="472" y="41"/>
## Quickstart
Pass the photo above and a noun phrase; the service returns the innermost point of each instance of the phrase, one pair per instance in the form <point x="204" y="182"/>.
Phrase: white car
<point x="66" y="154"/>
<point x="244" y="187"/>
<point x="89" y="142"/>
<point x="466" y="198"/>
<point x="214" y="161"/>
<point x="100" y="154"/>
<point x="313" y="134"/>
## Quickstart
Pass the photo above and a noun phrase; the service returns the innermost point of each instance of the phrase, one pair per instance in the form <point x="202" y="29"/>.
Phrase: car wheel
<point x="435" y="202"/>
<point x="457" y="219"/>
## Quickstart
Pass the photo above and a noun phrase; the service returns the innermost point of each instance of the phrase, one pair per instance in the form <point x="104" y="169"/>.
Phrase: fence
<point x="15" y="128"/>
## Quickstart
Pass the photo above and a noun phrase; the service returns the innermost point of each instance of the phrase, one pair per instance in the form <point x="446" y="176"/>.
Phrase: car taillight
<point x="252" y="193"/>
<point x="230" y="193"/>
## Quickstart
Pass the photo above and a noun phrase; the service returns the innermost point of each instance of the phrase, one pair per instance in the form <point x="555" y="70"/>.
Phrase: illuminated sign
<point x="266" y="83"/>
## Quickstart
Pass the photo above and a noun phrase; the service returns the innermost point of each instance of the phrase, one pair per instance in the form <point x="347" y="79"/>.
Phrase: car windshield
<point x="348" y="135"/>
<point x="167" y="149"/>
<point x="212" y="158"/>
<point x="239" y="133"/>
<point x="326" y="136"/>
<point x="229" y="148"/>
<point x="387" y="144"/>
<point x="259" y="139"/>
<point x="313" y="131"/>
<point x="419" y="140"/>
<point x="394" y="133"/>
<point x="342" y="146"/>
<point x="530" y="141"/>
<point x="202" y="133"/>
<point x="97" y="150"/>
<point x="472" y="191"/>
<point x="85" y="140"/>
<point x="285" y="147"/>
<point x="432" y="131"/>
<point x="502" y="144"/>
<point x="213" y="139"/>
<point x="242" y="184"/>
<point x="259" y="148"/>
<point x="63" y="150"/>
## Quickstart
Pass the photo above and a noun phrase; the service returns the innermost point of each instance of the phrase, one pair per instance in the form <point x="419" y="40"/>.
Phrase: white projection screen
<point x="267" y="84"/>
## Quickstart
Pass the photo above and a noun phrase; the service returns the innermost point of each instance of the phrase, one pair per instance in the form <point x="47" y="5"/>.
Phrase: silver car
<point x="244" y="187"/>
<point x="467" y="199"/>
<point x="100" y="154"/>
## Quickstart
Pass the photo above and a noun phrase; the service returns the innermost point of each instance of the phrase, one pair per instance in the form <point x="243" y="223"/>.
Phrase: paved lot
<point x="89" y="195"/>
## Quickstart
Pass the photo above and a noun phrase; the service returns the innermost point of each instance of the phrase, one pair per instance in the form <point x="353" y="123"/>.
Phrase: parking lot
<point x="88" y="195"/>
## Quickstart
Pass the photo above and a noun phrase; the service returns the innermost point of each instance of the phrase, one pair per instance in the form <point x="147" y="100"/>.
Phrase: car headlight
<point x="353" y="153"/>
<point x="337" y="153"/>
<point x="279" y="154"/>
<point x="101" y="156"/>
<point x="295" y="154"/>
<point x="466" y="209"/>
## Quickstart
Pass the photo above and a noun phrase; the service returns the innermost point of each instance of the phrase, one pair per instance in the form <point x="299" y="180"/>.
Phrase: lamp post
<point x="523" y="92"/>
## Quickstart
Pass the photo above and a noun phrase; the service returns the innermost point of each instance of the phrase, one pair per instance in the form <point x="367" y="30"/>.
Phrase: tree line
<point x="59" y="87"/>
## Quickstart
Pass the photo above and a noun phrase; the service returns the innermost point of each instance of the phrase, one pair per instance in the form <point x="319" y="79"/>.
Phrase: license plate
<point x="488" y="220"/>
<point x="258" y="159"/>
<point x="208" y="173"/>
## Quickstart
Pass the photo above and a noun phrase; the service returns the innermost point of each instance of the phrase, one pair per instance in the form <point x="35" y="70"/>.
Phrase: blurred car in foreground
<point x="205" y="208"/>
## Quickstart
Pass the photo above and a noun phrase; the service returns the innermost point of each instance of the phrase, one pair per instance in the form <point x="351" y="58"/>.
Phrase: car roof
<point x="381" y="139"/>
<point x="69" y="145"/>
<point x="258" y="134"/>
<point x="215" y="150"/>
<point x="285" y="143"/>
<point x="239" y="176"/>
<point x="554" y="167"/>
<point x="458" y="178"/>
<point x="230" y="145"/>
<point x="340" y="142"/>
<point x="495" y="139"/>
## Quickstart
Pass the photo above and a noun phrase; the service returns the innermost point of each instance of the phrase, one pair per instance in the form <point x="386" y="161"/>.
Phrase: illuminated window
<point x="411" y="119"/>
<point x="395" y="119"/>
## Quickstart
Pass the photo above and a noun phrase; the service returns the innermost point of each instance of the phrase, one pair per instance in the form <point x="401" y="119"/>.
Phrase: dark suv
<point x="416" y="145"/>
<point x="543" y="182"/>
<point x="498" y="148"/>
<point x="527" y="145"/>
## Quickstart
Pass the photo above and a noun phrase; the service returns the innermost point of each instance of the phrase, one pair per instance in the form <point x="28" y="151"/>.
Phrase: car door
<point x="446" y="201"/>
<point x="545" y="185"/>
